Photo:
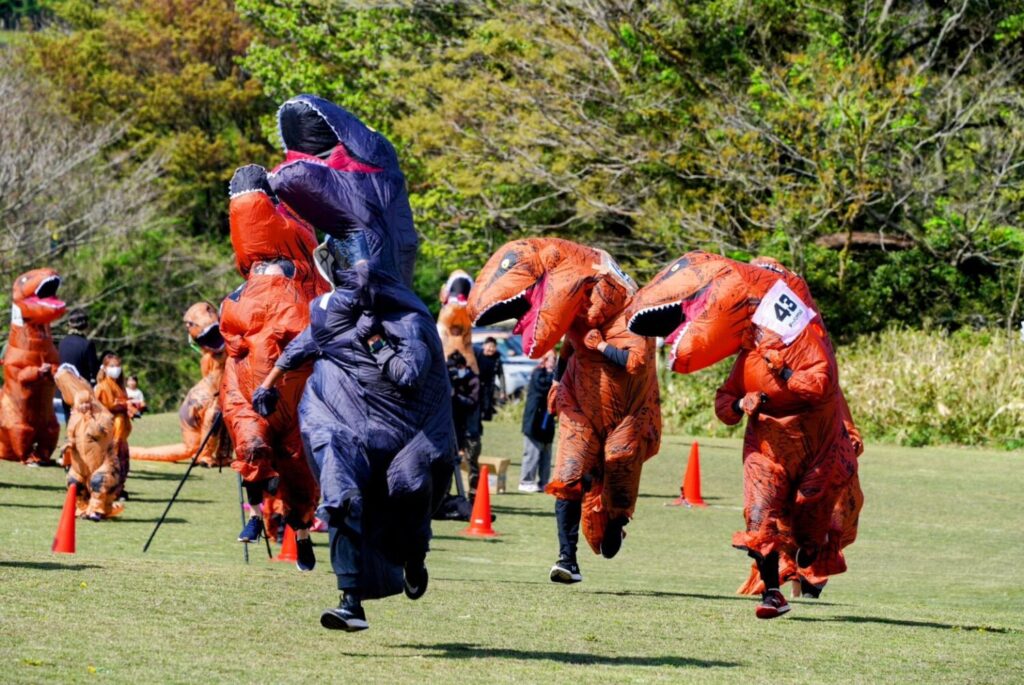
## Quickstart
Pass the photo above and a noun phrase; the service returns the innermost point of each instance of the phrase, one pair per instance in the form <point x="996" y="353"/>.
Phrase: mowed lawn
<point x="934" y="592"/>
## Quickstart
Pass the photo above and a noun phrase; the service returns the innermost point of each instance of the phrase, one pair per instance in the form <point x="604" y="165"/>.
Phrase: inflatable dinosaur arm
<point x="807" y="371"/>
<point x="301" y="349"/>
<point x="407" y="362"/>
<point x="33" y="374"/>
<point x="728" y="396"/>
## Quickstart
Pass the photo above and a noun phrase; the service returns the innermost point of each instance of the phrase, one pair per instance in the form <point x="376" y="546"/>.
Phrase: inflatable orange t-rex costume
<point x="273" y="252"/>
<point x="453" y="322"/>
<point x="28" y="424"/>
<point x="607" y="399"/>
<point x="800" y="460"/>
<point x="90" y="452"/>
<point x="202" y="403"/>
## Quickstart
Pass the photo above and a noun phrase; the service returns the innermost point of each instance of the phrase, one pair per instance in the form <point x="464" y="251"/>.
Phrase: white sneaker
<point x="529" y="487"/>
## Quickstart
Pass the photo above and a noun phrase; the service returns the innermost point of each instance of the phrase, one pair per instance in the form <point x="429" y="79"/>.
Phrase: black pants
<point x="567" y="516"/>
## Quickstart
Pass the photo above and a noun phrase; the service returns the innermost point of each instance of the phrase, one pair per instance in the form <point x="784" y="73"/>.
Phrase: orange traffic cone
<point x="691" y="483"/>
<point x="64" y="541"/>
<point x="289" y="548"/>
<point x="480" y="521"/>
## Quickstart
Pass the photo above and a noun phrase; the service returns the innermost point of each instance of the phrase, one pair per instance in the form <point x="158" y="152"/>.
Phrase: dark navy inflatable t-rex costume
<point x="376" y="412"/>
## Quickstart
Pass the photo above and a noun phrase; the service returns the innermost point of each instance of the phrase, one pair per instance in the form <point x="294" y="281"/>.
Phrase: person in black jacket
<point x="538" y="428"/>
<point x="79" y="351"/>
<point x="489" y="361"/>
<point x="466" y="413"/>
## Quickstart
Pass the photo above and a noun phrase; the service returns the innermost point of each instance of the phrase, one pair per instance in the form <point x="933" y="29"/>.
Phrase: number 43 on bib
<point x="783" y="312"/>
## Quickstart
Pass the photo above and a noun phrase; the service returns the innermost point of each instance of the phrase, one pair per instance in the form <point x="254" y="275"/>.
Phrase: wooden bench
<point x="496" y="466"/>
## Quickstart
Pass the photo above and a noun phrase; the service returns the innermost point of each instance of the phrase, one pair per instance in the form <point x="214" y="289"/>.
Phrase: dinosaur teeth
<point x="509" y="300"/>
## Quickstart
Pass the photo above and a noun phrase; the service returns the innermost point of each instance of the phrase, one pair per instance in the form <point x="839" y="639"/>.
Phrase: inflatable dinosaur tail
<point x="175" y="452"/>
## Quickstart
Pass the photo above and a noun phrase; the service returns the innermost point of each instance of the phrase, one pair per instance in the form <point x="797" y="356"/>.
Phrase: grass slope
<point x="933" y="594"/>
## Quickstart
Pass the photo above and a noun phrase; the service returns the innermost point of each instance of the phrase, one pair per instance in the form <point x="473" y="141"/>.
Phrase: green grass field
<point x="933" y="594"/>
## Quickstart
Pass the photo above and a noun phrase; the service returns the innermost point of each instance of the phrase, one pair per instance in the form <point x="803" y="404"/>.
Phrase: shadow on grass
<point x="29" y="486"/>
<point x="669" y="498"/>
<point x="905" y="623"/>
<point x="14" y="505"/>
<point x="155" y="475"/>
<point x="512" y="511"/>
<point x="461" y="650"/>
<point x="695" y="595"/>
<point x="154" y="519"/>
<point x="158" y="500"/>
<point x="465" y="537"/>
<point x="47" y="565"/>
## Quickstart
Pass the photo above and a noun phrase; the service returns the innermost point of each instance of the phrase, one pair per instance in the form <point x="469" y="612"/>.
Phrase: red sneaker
<point x="772" y="605"/>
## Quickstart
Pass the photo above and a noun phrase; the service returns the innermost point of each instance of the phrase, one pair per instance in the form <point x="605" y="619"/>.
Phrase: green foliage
<point x="745" y="128"/>
<point x="906" y="386"/>
<point x="168" y="71"/>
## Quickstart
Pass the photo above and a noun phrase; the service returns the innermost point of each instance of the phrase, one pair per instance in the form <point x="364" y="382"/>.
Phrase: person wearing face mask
<point x="111" y="393"/>
<point x="376" y="421"/>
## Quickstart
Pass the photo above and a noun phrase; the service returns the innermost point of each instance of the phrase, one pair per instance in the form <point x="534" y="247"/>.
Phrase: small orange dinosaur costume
<point x="28" y="424"/>
<point x="273" y="251"/>
<point x="610" y="412"/>
<point x="202" y="403"/>
<point x="453" y="322"/>
<point x="90" y="451"/>
<point x="800" y="450"/>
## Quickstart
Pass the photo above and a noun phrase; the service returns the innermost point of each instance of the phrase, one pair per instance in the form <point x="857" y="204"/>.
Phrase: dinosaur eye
<point x="508" y="261"/>
<point x="675" y="267"/>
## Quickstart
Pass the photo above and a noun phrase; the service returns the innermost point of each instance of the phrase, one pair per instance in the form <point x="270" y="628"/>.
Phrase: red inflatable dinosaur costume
<point x="607" y="399"/>
<point x="90" y="453"/>
<point x="273" y="252"/>
<point x="202" y="403"/>
<point x="28" y="424"/>
<point x="801" y="495"/>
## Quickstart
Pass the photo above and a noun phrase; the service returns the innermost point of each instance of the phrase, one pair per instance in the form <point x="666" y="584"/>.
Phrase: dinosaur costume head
<point x="457" y="288"/>
<point x="546" y="284"/>
<point x="702" y="305"/>
<point x="34" y="300"/>
<point x="203" y="326"/>
<point x="263" y="231"/>
<point x="343" y="177"/>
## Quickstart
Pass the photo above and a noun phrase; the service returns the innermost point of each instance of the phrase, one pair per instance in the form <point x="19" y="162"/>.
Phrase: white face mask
<point x="113" y="371"/>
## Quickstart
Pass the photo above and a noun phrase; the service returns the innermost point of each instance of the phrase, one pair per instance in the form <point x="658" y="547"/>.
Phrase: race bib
<point x="782" y="312"/>
<point x="16" y="317"/>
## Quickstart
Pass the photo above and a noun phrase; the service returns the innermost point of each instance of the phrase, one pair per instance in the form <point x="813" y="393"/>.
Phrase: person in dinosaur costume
<point x="198" y="412"/>
<point x="376" y="411"/>
<point x="273" y="252"/>
<point x="110" y="392"/>
<point x="606" y="390"/>
<point x="90" y="452"/>
<point x="801" y="497"/>
<point x="453" y="322"/>
<point x="28" y="424"/>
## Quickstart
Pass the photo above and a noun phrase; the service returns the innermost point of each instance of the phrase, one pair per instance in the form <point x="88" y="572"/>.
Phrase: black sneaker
<point x="809" y="589"/>
<point x="566" y="571"/>
<point x="349" y="617"/>
<point x="772" y="605"/>
<point x="305" y="559"/>
<point x="252" y="531"/>
<point x="613" y="536"/>
<point x="415" y="579"/>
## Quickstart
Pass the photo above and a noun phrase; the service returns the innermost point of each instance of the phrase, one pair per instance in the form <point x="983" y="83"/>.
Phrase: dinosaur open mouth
<point x="658" y="321"/>
<point x="514" y="307"/>
<point x="46" y="293"/>
<point x="210" y="338"/>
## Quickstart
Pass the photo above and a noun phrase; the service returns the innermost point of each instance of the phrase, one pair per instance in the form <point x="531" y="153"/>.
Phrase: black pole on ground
<point x="181" y="483"/>
<point x="241" y="510"/>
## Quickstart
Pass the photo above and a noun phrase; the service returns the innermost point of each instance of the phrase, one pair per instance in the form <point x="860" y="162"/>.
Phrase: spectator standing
<point x="466" y="413"/>
<point x="490" y="370"/>
<point x="538" y="428"/>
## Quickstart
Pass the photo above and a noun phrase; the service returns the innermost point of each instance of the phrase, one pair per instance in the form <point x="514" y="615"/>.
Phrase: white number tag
<point x="782" y="312"/>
